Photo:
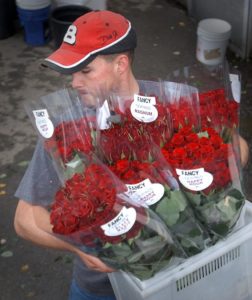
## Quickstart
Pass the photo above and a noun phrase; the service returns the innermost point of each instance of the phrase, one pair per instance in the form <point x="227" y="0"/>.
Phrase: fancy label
<point x="43" y="123"/>
<point x="122" y="223"/>
<point x="195" y="179"/>
<point x="145" y="193"/>
<point x="143" y="108"/>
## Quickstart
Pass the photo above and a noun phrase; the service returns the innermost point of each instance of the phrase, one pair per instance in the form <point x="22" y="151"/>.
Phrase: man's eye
<point x="85" y="71"/>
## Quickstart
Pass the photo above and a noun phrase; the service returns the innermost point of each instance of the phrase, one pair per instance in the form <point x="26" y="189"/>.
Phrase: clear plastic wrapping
<point x="91" y="208"/>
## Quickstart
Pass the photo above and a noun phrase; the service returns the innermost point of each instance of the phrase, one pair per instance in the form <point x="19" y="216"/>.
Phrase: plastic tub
<point x="212" y="40"/>
<point x="62" y="17"/>
<point x="35" y="24"/>
<point x="222" y="272"/>
<point x="31" y="4"/>
<point x="93" y="4"/>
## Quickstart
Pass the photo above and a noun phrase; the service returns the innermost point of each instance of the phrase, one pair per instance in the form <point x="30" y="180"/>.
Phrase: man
<point x="98" y="51"/>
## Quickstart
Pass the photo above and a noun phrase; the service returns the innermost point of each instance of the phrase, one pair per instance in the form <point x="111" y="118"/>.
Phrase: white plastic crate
<point x="222" y="272"/>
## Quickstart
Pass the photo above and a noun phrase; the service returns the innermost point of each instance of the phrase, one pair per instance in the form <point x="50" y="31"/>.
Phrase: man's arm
<point x="27" y="228"/>
<point x="244" y="151"/>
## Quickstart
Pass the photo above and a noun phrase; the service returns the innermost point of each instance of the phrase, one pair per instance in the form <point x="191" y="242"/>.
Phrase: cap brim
<point x="75" y="62"/>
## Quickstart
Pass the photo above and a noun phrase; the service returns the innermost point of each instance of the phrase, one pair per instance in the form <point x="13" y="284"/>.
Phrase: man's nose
<point x="76" y="80"/>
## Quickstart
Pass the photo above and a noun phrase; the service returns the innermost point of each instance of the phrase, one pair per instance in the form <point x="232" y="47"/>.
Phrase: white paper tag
<point x="103" y="113"/>
<point x="236" y="87"/>
<point x="122" y="223"/>
<point x="143" y="108"/>
<point x="43" y="123"/>
<point x="195" y="179"/>
<point x="145" y="193"/>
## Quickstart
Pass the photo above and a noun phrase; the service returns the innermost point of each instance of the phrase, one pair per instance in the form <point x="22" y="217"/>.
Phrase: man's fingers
<point x="95" y="263"/>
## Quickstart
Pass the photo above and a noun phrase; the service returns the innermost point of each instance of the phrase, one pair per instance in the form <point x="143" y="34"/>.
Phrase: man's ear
<point x="122" y="63"/>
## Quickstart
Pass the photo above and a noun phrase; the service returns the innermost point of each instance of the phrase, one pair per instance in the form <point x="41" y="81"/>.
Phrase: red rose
<point x="179" y="153"/>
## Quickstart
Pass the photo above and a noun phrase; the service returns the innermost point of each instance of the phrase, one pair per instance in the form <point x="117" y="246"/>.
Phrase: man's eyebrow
<point x="87" y="67"/>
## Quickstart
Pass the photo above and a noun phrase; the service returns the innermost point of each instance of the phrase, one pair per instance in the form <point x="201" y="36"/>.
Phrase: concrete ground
<point x="167" y="41"/>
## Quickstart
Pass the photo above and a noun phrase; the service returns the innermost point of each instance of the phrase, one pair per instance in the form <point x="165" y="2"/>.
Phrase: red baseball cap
<point x="94" y="33"/>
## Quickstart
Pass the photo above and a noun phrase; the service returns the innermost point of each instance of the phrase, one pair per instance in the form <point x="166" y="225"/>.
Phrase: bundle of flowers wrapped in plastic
<point x="218" y="93"/>
<point x="204" y="154"/>
<point x="128" y="122"/>
<point x="217" y="111"/>
<point x="93" y="211"/>
<point x="151" y="185"/>
<point x="206" y="168"/>
<point x="131" y="147"/>
<point x="91" y="208"/>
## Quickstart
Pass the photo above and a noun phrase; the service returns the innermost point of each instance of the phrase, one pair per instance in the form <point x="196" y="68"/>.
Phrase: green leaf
<point x="236" y="194"/>
<point x="179" y="198"/>
<point x="74" y="166"/>
<point x="132" y="240"/>
<point x="203" y="134"/>
<point x="94" y="137"/>
<point x="159" y="265"/>
<point x="147" y="249"/>
<point x="142" y="272"/>
<point x="107" y="246"/>
<point x="122" y="249"/>
<point x="195" y="199"/>
<point x="134" y="258"/>
<point x="221" y="213"/>
<point x="115" y="119"/>
<point x="228" y="208"/>
<point x="169" y="208"/>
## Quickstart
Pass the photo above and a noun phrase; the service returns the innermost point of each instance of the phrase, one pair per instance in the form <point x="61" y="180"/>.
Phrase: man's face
<point x="97" y="77"/>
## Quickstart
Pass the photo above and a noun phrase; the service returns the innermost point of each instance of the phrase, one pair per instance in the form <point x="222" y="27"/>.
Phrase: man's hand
<point x="94" y="263"/>
<point x="244" y="151"/>
<point x="32" y="223"/>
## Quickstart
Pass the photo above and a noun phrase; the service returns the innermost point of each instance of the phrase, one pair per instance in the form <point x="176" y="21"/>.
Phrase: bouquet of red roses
<point x="183" y="103"/>
<point x="125" y="128"/>
<point x="66" y="127"/>
<point x="93" y="212"/>
<point x="152" y="185"/>
<point x="218" y="97"/>
<point x="219" y="113"/>
<point x="206" y="168"/>
<point x="205" y="159"/>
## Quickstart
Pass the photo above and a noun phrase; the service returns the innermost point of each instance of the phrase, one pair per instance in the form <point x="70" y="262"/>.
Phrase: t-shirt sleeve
<point x="40" y="181"/>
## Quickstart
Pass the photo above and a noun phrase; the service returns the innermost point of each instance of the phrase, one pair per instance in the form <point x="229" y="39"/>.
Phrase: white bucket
<point x="92" y="4"/>
<point x="213" y="36"/>
<point x="33" y="5"/>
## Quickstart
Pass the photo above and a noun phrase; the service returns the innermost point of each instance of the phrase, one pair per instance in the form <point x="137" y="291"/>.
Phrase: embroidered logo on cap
<point x="70" y="36"/>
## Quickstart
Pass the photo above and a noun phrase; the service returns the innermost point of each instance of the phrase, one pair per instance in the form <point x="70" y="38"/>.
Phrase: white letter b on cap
<point x="70" y="36"/>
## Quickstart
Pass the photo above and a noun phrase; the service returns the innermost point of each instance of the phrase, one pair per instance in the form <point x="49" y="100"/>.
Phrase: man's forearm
<point x="38" y="232"/>
<point x="27" y="228"/>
